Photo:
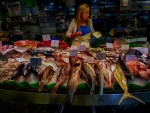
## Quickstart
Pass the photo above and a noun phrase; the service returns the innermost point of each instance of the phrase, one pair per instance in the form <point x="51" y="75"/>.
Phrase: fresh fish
<point x="18" y="71"/>
<point x="100" y="78"/>
<point x="121" y="79"/>
<point x="90" y="72"/>
<point x="74" y="79"/>
<point x="32" y="77"/>
<point x="125" y="69"/>
<point x="62" y="78"/>
<point x="46" y="76"/>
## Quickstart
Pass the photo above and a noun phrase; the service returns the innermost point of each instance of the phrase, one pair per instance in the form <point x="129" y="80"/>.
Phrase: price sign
<point x="86" y="44"/>
<point x="82" y="48"/>
<point x="73" y="52"/>
<point x="89" y="59"/>
<point x="125" y="47"/>
<point x="130" y="57"/>
<point x="101" y="56"/>
<point x="0" y="43"/>
<point x="35" y="62"/>
<point x="144" y="50"/>
<point x="46" y="37"/>
<point x="54" y="43"/>
<point x="58" y="71"/>
<point x="20" y="59"/>
<point x="74" y="47"/>
<point x="109" y="45"/>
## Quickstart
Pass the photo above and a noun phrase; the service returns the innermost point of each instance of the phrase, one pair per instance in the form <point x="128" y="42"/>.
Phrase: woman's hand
<point x="79" y="33"/>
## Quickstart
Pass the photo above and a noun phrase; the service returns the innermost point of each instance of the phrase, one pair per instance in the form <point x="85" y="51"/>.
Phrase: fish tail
<point x="128" y="95"/>
<point x="71" y="90"/>
<point x="41" y="85"/>
<point x="54" y="90"/>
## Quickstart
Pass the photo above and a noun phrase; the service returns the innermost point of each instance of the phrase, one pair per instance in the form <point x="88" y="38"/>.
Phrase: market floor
<point x="34" y="108"/>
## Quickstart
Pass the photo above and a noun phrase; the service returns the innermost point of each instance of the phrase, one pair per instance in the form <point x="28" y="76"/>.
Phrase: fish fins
<point x="128" y="95"/>
<point x="41" y="85"/>
<point x="54" y="90"/>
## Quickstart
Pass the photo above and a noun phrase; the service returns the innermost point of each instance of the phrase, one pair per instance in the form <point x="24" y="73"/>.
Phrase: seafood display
<point x="98" y="68"/>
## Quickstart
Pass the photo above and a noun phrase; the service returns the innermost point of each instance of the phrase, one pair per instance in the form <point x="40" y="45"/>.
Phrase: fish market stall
<point x="51" y="72"/>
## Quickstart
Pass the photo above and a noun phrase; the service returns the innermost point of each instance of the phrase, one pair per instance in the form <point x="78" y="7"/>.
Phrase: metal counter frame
<point x="79" y="99"/>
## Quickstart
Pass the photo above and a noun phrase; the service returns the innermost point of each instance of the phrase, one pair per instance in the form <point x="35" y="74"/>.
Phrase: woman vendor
<point x="81" y="24"/>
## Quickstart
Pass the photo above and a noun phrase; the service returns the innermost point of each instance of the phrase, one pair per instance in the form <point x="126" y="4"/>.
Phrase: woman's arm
<point x="71" y="29"/>
<point x="91" y="26"/>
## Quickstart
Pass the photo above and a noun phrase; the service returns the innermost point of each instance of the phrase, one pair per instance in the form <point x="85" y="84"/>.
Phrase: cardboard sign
<point x="20" y="59"/>
<point x="130" y="57"/>
<point x="35" y="62"/>
<point x="109" y="45"/>
<point x="101" y="56"/>
<point x="54" y="43"/>
<point x="46" y="37"/>
<point x="89" y="59"/>
<point x="73" y="52"/>
<point x="82" y="48"/>
<point x="125" y="47"/>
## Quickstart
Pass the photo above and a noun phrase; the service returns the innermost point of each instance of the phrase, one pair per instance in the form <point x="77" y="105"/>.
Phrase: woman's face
<point x="85" y="14"/>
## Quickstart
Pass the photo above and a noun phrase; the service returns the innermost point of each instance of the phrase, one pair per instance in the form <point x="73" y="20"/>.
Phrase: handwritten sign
<point x="130" y="57"/>
<point x="109" y="45"/>
<point x="20" y="59"/>
<point x="35" y="62"/>
<point x="101" y="56"/>
<point x="73" y="52"/>
<point x="89" y="59"/>
<point x="125" y="47"/>
<point x="54" y="43"/>
<point x="82" y="48"/>
<point x="86" y="44"/>
<point x="46" y="37"/>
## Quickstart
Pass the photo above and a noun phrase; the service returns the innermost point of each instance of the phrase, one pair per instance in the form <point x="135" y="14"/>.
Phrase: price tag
<point x="73" y="52"/>
<point x="125" y="47"/>
<point x="46" y="37"/>
<point x="144" y="50"/>
<point x="109" y="45"/>
<point x="35" y="62"/>
<point x="86" y="44"/>
<point x="101" y="56"/>
<point x="54" y="43"/>
<point x="89" y="59"/>
<point x="82" y="48"/>
<point x="20" y="59"/>
<point x="130" y="57"/>
<point x="74" y="47"/>
<point x="58" y="71"/>
<point x="0" y="43"/>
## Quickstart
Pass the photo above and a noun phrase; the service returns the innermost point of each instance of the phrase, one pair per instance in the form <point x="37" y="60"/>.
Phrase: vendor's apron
<point x="82" y="40"/>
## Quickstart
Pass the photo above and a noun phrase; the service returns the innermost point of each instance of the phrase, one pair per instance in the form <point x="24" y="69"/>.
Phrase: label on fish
<point x="58" y="71"/>
<point x="73" y="52"/>
<point x="35" y="62"/>
<point x="109" y="45"/>
<point x="20" y="59"/>
<point x="89" y="59"/>
<point x="0" y="43"/>
<point x="125" y="47"/>
<point x="46" y="37"/>
<point x="130" y="57"/>
<point x="82" y="48"/>
<point x="54" y="43"/>
<point x="101" y="56"/>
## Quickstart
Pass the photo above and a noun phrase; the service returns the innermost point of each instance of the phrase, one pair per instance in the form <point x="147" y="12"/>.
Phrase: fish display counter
<point x="51" y="72"/>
